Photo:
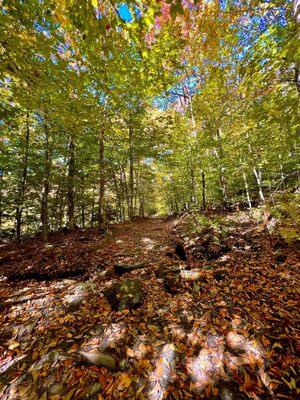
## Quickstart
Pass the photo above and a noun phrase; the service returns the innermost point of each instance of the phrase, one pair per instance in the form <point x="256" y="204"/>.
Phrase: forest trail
<point x="210" y="330"/>
<point x="140" y="241"/>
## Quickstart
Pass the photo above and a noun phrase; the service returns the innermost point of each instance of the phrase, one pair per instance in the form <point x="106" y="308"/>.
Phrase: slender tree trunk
<point x="203" y="190"/>
<point x="22" y="188"/>
<point x="193" y="198"/>
<point x="61" y="212"/>
<point x="1" y="196"/>
<point x="258" y="177"/>
<point x="93" y="209"/>
<point x="136" y="194"/>
<point x="124" y="192"/>
<point x="82" y="201"/>
<point x="54" y="211"/>
<point x="118" y="196"/>
<point x="247" y="190"/>
<point x="83" y="215"/>
<point x="297" y="64"/>
<point x="142" y="204"/>
<point x="71" y="178"/>
<point x="46" y="184"/>
<point x="141" y="196"/>
<point x="223" y="180"/>
<point x="131" y="172"/>
<point x="127" y="195"/>
<point x="101" y="210"/>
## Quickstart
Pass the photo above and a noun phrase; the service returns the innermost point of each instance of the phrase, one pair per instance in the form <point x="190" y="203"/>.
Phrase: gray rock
<point x="165" y="269"/>
<point x="126" y="294"/>
<point x="121" y="269"/>
<point x="98" y="358"/>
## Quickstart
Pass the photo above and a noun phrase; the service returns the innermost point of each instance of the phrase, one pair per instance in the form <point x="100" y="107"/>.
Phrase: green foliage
<point x="287" y="213"/>
<point x="75" y="76"/>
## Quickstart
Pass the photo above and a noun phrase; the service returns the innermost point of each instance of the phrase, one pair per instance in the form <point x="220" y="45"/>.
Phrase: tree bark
<point x="46" y="183"/>
<point x="247" y="189"/>
<point x="127" y="195"/>
<point x="131" y="171"/>
<point x="22" y="188"/>
<point x="71" y="178"/>
<point x="297" y="64"/>
<point x="223" y="180"/>
<point x="61" y="211"/>
<point x="203" y="190"/>
<point x="55" y="210"/>
<point x="101" y="210"/>
<point x="118" y="197"/>
<point x="258" y="177"/>
<point x="1" y="196"/>
<point x="93" y="209"/>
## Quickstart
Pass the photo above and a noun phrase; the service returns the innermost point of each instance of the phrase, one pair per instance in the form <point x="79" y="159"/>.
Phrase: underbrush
<point x="287" y="215"/>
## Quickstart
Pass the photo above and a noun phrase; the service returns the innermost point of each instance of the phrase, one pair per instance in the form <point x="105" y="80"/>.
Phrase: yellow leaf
<point x="153" y="328"/>
<point x="53" y="343"/>
<point x="35" y="375"/>
<point x="13" y="345"/>
<point x="23" y="390"/>
<point x="129" y="352"/>
<point x="125" y="381"/>
<point x="160" y="342"/>
<point x="70" y="394"/>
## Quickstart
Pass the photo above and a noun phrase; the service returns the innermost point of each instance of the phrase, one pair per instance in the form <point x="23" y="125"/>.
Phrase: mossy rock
<point x="125" y="294"/>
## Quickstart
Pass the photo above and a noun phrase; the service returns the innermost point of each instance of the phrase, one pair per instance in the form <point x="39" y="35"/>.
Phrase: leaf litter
<point x="231" y="334"/>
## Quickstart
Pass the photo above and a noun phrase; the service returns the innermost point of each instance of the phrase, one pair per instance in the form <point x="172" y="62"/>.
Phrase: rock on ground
<point x="125" y="294"/>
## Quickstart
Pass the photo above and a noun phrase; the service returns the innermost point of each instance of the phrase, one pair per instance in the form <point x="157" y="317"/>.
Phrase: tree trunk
<point x="297" y="64"/>
<point x="127" y="196"/>
<point x="131" y="171"/>
<point x="101" y="210"/>
<point x="1" y="196"/>
<point x="118" y="198"/>
<point x="247" y="190"/>
<point x="193" y="198"/>
<point x="55" y="210"/>
<point x="223" y="180"/>
<point x="71" y="178"/>
<point x="258" y="177"/>
<point x="203" y="190"/>
<point x="61" y="212"/>
<point x="22" y="188"/>
<point x="93" y="209"/>
<point x="46" y="184"/>
<point x="82" y="201"/>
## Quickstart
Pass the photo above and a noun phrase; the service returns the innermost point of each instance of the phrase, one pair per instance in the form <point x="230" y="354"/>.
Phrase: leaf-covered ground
<point x="230" y="335"/>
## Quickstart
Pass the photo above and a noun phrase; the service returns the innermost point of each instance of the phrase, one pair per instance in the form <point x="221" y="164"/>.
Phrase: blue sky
<point x="124" y="12"/>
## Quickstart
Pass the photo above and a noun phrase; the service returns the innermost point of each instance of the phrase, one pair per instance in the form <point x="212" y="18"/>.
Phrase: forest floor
<point x="227" y="329"/>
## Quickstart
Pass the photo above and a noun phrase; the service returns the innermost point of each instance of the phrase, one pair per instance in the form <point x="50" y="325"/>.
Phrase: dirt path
<point x="144" y="240"/>
<point x="216" y="338"/>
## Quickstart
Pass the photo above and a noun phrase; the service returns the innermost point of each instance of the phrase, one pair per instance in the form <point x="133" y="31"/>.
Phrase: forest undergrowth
<point x="215" y="317"/>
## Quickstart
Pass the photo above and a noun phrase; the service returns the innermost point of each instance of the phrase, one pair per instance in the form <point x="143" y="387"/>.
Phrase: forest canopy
<point x="111" y="110"/>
